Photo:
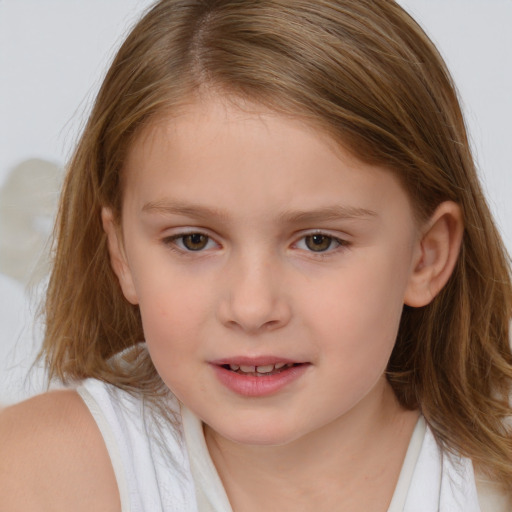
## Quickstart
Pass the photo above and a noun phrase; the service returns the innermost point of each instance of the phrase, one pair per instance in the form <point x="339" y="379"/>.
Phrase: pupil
<point x="195" y="241"/>
<point x="318" y="243"/>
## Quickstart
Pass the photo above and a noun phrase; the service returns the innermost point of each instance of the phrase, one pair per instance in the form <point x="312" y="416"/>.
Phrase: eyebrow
<point x="165" y="207"/>
<point x="328" y="213"/>
<point x="337" y="212"/>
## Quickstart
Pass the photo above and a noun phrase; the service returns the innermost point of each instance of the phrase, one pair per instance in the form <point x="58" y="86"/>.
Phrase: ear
<point x="436" y="254"/>
<point x="117" y="255"/>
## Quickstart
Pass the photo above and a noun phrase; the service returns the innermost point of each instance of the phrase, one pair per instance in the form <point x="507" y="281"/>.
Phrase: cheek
<point x="171" y="331"/>
<point x="173" y="314"/>
<point x="360" y="313"/>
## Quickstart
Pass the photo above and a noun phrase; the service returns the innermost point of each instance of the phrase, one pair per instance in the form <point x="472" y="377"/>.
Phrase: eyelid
<point x="342" y="243"/>
<point x="170" y="241"/>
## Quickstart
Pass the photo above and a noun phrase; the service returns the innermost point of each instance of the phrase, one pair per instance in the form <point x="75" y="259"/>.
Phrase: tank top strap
<point x="147" y="450"/>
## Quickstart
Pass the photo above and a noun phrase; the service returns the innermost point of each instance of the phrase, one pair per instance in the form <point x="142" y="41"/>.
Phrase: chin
<point x="257" y="434"/>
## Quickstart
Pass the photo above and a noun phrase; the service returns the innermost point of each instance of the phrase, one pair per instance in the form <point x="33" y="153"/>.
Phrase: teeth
<point x="262" y="369"/>
<point x="265" y="369"/>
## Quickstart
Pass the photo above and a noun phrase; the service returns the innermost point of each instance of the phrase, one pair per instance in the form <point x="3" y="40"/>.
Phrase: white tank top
<point x="165" y="467"/>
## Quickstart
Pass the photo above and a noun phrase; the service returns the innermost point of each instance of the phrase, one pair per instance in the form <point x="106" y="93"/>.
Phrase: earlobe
<point x="117" y="255"/>
<point x="437" y="251"/>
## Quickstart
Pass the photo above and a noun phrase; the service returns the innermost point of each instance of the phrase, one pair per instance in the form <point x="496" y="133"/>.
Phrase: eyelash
<point x="339" y="244"/>
<point x="172" y="243"/>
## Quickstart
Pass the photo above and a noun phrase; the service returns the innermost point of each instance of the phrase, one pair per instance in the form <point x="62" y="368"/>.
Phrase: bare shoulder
<point x="54" y="458"/>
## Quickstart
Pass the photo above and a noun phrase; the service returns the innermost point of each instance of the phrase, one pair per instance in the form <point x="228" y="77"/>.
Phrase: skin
<point x="256" y="288"/>
<point x="54" y="458"/>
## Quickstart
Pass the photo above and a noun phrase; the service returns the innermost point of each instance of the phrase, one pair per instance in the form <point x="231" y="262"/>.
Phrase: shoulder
<point x="54" y="457"/>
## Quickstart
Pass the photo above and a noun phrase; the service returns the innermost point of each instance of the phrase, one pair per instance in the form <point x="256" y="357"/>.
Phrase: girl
<point x="276" y="285"/>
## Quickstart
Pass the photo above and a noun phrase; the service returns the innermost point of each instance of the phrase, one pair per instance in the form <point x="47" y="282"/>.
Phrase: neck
<point x="368" y="444"/>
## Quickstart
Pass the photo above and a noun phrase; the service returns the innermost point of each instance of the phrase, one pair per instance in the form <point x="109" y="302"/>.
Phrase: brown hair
<point x="364" y="71"/>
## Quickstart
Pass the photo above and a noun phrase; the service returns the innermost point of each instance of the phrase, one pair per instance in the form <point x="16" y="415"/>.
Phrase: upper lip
<point x="253" y="361"/>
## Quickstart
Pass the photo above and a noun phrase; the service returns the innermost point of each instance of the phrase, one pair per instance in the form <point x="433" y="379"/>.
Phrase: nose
<point x="254" y="297"/>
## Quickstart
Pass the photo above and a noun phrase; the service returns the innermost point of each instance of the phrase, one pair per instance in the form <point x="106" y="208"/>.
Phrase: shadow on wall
<point x="28" y="203"/>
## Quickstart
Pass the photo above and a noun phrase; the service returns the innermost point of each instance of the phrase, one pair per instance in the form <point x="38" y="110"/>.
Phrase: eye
<point x="195" y="241"/>
<point x="320" y="242"/>
<point x="190" y="242"/>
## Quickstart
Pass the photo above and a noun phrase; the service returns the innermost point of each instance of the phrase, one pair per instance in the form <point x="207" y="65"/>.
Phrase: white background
<point x="53" y="54"/>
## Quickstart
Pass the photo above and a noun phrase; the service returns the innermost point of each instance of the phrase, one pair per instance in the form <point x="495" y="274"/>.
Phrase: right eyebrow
<point x="165" y="207"/>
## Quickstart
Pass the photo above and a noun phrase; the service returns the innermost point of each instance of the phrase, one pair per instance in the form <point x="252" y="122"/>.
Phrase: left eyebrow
<point x="328" y="213"/>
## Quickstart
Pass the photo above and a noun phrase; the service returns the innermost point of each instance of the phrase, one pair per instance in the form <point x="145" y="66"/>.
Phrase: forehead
<point x="215" y="150"/>
<point x="201" y="121"/>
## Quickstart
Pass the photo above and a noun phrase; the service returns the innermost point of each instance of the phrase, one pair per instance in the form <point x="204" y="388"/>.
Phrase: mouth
<point x="265" y="370"/>
<point x="260" y="376"/>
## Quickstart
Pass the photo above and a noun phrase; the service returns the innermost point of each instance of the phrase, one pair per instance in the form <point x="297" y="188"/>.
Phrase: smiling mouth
<point x="260" y="371"/>
<point x="258" y="376"/>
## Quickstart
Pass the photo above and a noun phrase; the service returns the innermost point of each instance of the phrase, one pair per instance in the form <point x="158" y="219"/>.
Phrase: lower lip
<point x="249" y="385"/>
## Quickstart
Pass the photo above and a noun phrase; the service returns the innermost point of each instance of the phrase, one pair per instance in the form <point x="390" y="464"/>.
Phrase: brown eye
<point x="318" y="243"/>
<point x="195" y="241"/>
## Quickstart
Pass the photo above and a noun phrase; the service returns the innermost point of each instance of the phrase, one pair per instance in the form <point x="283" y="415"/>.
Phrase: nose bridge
<point x="255" y="297"/>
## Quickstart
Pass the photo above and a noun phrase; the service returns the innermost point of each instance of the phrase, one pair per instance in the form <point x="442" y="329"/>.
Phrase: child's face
<point x="251" y="240"/>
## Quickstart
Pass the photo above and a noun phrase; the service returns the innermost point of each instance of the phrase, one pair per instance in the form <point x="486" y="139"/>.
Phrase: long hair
<point x="362" y="71"/>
